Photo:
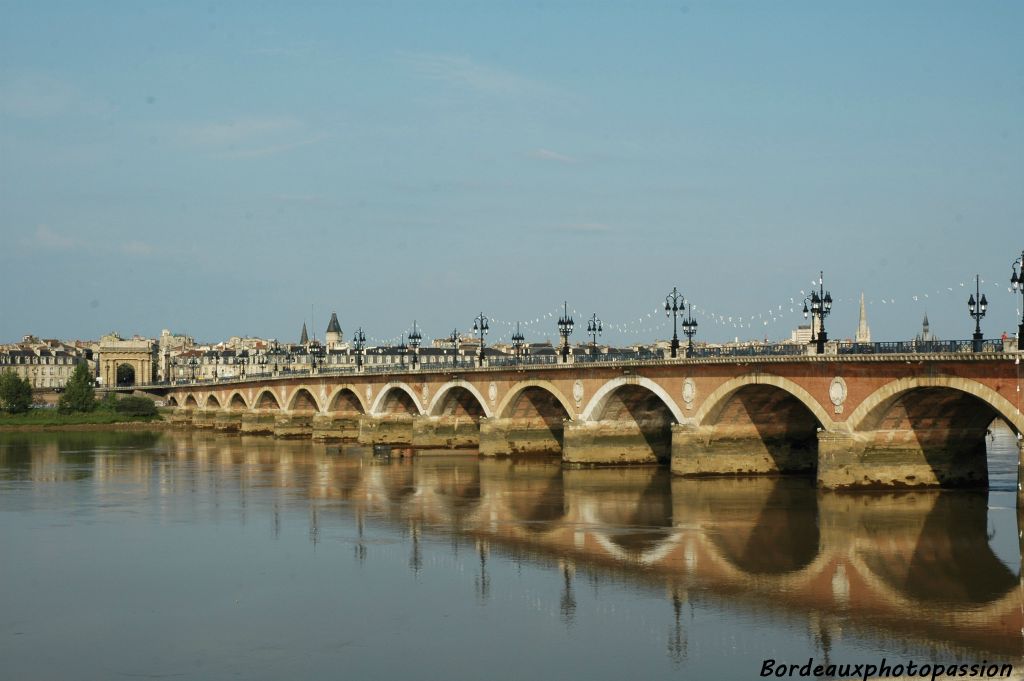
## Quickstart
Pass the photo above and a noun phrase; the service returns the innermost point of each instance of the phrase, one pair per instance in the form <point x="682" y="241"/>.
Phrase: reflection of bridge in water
<point x="915" y="565"/>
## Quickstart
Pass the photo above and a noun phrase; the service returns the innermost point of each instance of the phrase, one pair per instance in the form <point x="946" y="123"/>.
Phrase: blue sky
<point x="221" y="168"/>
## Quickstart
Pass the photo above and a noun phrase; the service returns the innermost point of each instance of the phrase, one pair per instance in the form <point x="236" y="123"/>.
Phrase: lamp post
<point x="674" y="304"/>
<point x="594" y="329"/>
<point x="316" y="354"/>
<point x="454" y="340"/>
<point x="821" y="306"/>
<point x="359" y="341"/>
<point x="565" y="324"/>
<point x="194" y="365"/>
<point x="415" y="338"/>
<point x="402" y="350"/>
<point x="517" y="343"/>
<point x="689" y="325"/>
<point x="1017" y="282"/>
<point x="978" y="306"/>
<point x="240" y="360"/>
<point x="481" y="327"/>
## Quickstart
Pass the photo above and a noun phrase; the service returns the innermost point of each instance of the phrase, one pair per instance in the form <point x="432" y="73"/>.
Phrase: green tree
<point x="78" y="394"/>
<point x="136" y="406"/>
<point x="15" y="393"/>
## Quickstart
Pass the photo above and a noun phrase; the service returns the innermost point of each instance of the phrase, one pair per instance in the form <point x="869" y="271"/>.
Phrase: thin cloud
<point x="270" y="150"/>
<point x="40" y="95"/>
<point x="46" y="238"/>
<point x="136" y="248"/>
<point x="461" y="71"/>
<point x="548" y="155"/>
<point x="584" y="228"/>
<point x="221" y="134"/>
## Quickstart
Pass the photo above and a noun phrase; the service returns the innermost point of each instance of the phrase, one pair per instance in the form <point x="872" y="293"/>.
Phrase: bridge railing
<point x="781" y="349"/>
<point x="911" y="347"/>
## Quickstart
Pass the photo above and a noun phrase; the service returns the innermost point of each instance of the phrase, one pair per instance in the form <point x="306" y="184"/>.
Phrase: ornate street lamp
<point x="565" y="324"/>
<point x="402" y="350"/>
<point x="689" y="325"/>
<point x="821" y="306"/>
<point x="240" y="361"/>
<point x="316" y="356"/>
<point x="415" y="338"/>
<point x="518" y="341"/>
<point x="481" y="327"/>
<point x="978" y="306"/>
<point x="194" y="365"/>
<point x="454" y="340"/>
<point x="674" y="305"/>
<point x="594" y="329"/>
<point x="1017" y="282"/>
<point x="359" y="342"/>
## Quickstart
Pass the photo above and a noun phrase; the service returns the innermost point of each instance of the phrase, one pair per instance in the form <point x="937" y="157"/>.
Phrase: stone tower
<point x="334" y="335"/>
<point x="863" y="330"/>
<point x="304" y="338"/>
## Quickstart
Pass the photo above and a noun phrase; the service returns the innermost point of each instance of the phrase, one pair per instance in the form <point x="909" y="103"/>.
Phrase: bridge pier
<point x="293" y="425"/>
<point x="445" y="432"/>
<point x="520" y="436"/>
<point x="228" y="422"/>
<point x="181" y="417"/>
<point x="335" y="427"/>
<point x="946" y="458"/>
<point x="727" y="450"/>
<point x="204" y="418"/>
<point x="387" y="429"/>
<point x="610" y="443"/>
<point x="257" y="423"/>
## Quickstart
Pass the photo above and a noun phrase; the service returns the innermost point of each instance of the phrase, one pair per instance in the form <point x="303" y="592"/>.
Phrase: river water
<point x="199" y="556"/>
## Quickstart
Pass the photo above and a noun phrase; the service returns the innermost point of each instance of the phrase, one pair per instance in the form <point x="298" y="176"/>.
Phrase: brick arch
<point x="867" y="413"/>
<point x="264" y="397"/>
<point x="509" y="400"/>
<point x="340" y="392"/>
<point x="386" y="389"/>
<point x="172" y="401"/>
<point x="600" y="398"/>
<point x="191" y="401"/>
<point x="211" y="402"/>
<point x="237" y="400"/>
<point x="441" y="395"/>
<point x="712" y="406"/>
<point x="303" y="394"/>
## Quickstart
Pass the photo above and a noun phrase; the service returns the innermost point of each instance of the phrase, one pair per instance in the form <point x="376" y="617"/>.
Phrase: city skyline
<point x="217" y="172"/>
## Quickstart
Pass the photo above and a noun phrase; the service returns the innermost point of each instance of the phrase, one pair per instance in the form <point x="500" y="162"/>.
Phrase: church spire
<point x="863" y="330"/>
<point x="304" y="338"/>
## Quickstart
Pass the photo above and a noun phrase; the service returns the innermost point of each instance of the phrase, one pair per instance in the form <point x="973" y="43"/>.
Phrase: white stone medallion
<point x="577" y="392"/>
<point x="689" y="392"/>
<point x="492" y="392"/>
<point x="837" y="393"/>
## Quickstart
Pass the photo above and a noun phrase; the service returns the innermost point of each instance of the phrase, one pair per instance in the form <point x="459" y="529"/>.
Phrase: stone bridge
<point x="871" y="421"/>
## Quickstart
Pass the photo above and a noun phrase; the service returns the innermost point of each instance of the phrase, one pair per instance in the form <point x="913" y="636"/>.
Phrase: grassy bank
<point x="38" y="418"/>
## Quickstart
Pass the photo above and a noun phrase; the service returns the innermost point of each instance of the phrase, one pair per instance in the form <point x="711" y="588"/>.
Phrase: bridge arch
<point x="459" y="396"/>
<point x="211" y="402"/>
<point x="302" y="399"/>
<point x="191" y="402"/>
<point x="172" y="401"/>
<point x="396" y="394"/>
<point x="868" y="414"/>
<point x="599" y="401"/>
<point x="509" y="402"/>
<point x="237" y="403"/>
<point x="346" y="398"/>
<point x="713" y="405"/>
<point x="266" y="400"/>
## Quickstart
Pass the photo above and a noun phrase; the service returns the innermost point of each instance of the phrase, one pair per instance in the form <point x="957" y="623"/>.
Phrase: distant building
<point x="44" y="363"/>
<point x="926" y="334"/>
<point x="863" y="330"/>
<point x="127" y="361"/>
<point x="334" y="336"/>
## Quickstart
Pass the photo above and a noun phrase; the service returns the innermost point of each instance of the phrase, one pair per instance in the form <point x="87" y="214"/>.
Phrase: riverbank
<point x="49" y="420"/>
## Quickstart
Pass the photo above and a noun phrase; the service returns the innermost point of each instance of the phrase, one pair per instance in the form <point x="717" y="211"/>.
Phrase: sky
<point x="222" y="169"/>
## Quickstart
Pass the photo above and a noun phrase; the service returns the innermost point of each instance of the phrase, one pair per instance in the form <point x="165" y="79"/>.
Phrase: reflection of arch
<point x="713" y="405"/>
<point x="267" y="400"/>
<point x="237" y="402"/>
<point x="190" y="402"/>
<point x="458" y="396"/>
<point x="303" y="400"/>
<point x="509" y="401"/>
<point x="346" y="398"/>
<point x="385" y="399"/>
<point x="597" y="403"/>
<point x="212" y="402"/>
<point x="870" y="411"/>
